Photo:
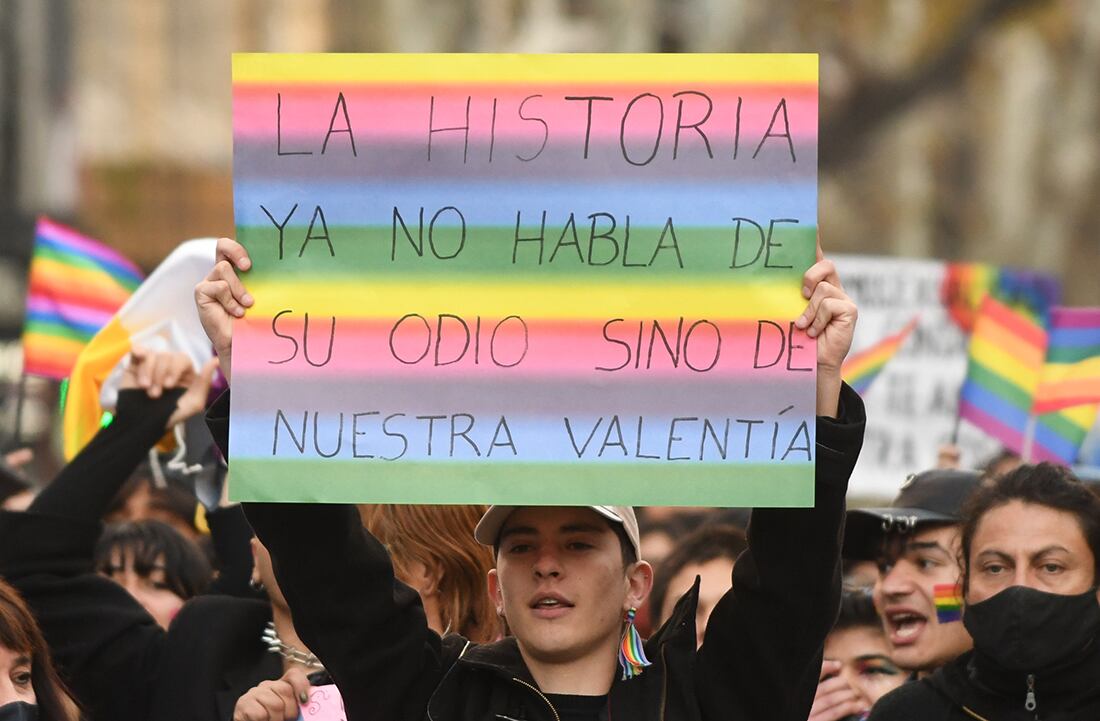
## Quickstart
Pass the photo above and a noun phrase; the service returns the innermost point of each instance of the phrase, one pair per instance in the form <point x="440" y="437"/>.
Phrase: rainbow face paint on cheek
<point x="949" y="602"/>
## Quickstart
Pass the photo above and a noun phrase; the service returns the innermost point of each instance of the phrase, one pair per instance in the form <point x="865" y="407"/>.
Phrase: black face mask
<point x="19" y="711"/>
<point x="1023" y="629"/>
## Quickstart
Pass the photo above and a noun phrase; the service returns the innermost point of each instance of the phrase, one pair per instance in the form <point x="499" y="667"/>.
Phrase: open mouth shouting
<point x="904" y="625"/>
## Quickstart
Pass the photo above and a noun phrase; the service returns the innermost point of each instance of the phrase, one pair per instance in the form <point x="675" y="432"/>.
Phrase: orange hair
<point x="442" y="538"/>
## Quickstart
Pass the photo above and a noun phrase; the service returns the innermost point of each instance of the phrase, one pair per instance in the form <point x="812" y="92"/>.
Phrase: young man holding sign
<point x="567" y="581"/>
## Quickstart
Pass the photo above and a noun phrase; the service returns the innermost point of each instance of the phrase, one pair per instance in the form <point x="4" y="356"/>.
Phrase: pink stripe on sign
<point x="81" y="244"/>
<point x="536" y="350"/>
<point x="379" y="112"/>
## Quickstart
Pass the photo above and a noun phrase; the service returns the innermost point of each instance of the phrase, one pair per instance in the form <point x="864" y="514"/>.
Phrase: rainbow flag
<point x="1058" y="436"/>
<point x="1006" y="356"/>
<point x="1027" y="292"/>
<point x="1071" y="376"/>
<point x="499" y="312"/>
<point x="861" y="369"/>
<point x="160" y="316"/>
<point x="1068" y="392"/>
<point x="76" y="285"/>
<point x="949" y="602"/>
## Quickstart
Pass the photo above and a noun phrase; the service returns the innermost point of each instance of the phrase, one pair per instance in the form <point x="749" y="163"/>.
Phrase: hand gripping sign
<point x="525" y="279"/>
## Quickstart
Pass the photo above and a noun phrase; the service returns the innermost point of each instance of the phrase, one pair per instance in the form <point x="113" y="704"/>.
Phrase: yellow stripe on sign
<point x="530" y="300"/>
<point x="1003" y="364"/>
<point x="580" y="69"/>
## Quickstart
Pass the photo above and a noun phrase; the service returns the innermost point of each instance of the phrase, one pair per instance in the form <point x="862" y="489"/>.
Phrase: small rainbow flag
<point x="949" y="602"/>
<point x="861" y="369"/>
<point x="76" y="285"/>
<point x="1006" y="356"/>
<point x="1071" y="376"/>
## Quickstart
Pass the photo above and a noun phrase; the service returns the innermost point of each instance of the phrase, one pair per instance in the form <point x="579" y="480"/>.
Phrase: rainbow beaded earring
<point x="631" y="653"/>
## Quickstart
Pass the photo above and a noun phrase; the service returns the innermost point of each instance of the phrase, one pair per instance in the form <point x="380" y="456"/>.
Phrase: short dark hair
<point x="701" y="546"/>
<point x="1045" y="484"/>
<point x="186" y="570"/>
<point x="171" y="498"/>
<point x="989" y="467"/>
<point x="857" y="610"/>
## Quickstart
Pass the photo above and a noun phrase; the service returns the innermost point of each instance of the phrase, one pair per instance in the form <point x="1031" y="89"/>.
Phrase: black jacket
<point x="759" y="661"/>
<point x="118" y="662"/>
<point x="972" y="688"/>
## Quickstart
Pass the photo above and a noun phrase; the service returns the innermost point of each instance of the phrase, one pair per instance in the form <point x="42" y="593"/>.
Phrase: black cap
<point x="931" y="497"/>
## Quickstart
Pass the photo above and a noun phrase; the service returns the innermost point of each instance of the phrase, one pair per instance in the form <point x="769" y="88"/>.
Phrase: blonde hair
<point x="442" y="538"/>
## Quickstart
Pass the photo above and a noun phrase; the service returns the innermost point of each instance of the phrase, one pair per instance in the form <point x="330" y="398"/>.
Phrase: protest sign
<point x="525" y="279"/>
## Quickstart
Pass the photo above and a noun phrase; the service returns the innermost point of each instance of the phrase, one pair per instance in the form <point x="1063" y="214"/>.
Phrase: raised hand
<point x="835" y="698"/>
<point x="156" y="372"/>
<point x="277" y="700"/>
<point x="830" y="317"/>
<point x="221" y="297"/>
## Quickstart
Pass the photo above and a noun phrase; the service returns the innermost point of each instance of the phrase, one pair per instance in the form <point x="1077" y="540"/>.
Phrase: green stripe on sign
<point x="370" y="251"/>
<point x="781" y="485"/>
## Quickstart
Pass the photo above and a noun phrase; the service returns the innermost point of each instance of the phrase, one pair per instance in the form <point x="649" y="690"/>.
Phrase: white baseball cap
<point x="488" y="528"/>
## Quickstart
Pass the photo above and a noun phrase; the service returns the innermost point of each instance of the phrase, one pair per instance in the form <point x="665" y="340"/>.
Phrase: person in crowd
<point x="140" y="498"/>
<point x="159" y="567"/>
<point x="1031" y="555"/>
<point x="662" y="527"/>
<point x="122" y="664"/>
<point x="433" y="550"/>
<point x="30" y="689"/>
<point x="861" y="574"/>
<point x="567" y="581"/>
<point x="858" y="669"/>
<point x="1000" y="463"/>
<point x="119" y="662"/>
<point x="15" y="488"/>
<point x="659" y="530"/>
<point x="708" y="555"/>
<point x="916" y="543"/>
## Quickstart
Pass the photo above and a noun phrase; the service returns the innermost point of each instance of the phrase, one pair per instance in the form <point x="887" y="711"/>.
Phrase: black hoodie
<point x="973" y="687"/>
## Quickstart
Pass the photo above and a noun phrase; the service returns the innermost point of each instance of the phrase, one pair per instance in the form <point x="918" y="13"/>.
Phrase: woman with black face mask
<point x="1031" y="564"/>
<point x="29" y="687"/>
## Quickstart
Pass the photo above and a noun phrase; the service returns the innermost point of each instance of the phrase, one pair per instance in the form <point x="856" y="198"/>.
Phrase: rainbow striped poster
<point x="566" y="279"/>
